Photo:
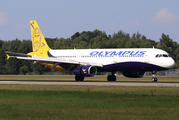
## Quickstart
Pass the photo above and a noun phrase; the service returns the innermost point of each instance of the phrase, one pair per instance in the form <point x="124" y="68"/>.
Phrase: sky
<point x="63" y="18"/>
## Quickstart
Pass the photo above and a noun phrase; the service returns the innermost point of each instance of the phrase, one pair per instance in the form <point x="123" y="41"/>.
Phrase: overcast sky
<point x="63" y="18"/>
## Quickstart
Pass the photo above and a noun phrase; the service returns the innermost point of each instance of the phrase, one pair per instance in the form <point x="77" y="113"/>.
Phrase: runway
<point x="89" y="83"/>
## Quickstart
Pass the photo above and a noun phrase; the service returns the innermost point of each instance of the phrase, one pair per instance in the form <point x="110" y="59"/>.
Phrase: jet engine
<point x="133" y="74"/>
<point x="86" y="71"/>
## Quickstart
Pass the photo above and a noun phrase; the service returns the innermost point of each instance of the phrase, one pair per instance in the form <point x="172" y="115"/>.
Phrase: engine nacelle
<point x="85" y="71"/>
<point x="133" y="74"/>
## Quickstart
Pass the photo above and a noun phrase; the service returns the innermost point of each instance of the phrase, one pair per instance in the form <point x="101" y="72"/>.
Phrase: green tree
<point x="138" y="35"/>
<point x="119" y="39"/>
<point x="143" y="37"/>
<point x="2" y="61"/>
<point x="25" y="47"/>
<point x="24" y="69"/>
<point x="12" y="66"/>
<point x="50" y="42"/>
<point x="76" y="35"/>
<point x="14" y="45"/>
<point x="166" y="40"/>
<point x="62" y="43"/>
<point x="166" y="43"/>
<point x="37" y="68"/>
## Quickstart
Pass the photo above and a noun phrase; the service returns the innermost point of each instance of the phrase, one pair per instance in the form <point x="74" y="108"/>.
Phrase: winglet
<point x="7" y="56"/>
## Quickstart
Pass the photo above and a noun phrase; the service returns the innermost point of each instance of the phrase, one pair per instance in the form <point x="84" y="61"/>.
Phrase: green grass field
<point x="29" y="102"/>
<point x="45" y="102"/>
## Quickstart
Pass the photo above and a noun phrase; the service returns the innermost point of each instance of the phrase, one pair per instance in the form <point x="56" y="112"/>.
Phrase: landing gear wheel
<point x="154" y="79"/>
<point x="79" y="78"/>
<point x="111" y="78"/>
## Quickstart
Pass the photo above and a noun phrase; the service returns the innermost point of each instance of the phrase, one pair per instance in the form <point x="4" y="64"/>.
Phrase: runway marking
<point x="91" y="83"/>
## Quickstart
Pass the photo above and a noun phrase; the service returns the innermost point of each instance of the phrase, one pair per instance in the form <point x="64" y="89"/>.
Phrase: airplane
<point x="132" y="62"/>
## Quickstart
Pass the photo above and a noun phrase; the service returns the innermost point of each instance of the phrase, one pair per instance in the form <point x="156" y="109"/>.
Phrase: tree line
<point x="83" y="40"/>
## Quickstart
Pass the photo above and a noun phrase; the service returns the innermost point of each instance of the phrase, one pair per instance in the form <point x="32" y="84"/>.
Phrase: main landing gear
<point x="79" y="78"/>
<point x="154" y="79"/>
<point x="111" y="77"/>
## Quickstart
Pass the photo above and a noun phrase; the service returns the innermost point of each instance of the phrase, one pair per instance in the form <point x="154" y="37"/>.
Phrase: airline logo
<point x="36" y="38"/>
<point x="115" y="53"/>
<point x="84" y="71"/>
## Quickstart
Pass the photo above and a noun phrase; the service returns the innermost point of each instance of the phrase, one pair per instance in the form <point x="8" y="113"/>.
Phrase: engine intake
<point x="85" y="71"/>
<point x="133" y="74"/>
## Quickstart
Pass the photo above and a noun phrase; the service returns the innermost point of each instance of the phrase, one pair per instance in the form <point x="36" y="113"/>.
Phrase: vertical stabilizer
<point x="38" y="41"/>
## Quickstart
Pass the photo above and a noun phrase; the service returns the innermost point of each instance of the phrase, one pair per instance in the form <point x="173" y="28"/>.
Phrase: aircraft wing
<point x="21" y="54"/>
<point x="55" y="60"/>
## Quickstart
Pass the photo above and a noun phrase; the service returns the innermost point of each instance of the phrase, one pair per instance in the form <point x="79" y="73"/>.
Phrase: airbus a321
<point x="132" y="62"/>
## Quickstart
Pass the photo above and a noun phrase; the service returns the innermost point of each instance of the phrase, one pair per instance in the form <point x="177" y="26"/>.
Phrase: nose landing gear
<point x="154" y="79"/>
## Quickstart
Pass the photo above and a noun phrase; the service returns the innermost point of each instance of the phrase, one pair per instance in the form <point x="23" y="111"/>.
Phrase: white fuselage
<point x="145" y="58"/>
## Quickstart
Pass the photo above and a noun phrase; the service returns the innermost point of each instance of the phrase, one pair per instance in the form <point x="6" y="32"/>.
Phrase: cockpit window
<point x="165" y="55"/>
<point x="156" y="55"/>
<point x="162" y="55"/>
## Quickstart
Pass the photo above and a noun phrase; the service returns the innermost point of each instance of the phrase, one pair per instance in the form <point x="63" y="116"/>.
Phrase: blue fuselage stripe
<point x="128" y="66"/>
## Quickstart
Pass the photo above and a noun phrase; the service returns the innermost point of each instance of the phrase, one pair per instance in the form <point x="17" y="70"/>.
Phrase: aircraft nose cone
<point x="171" y="63"/>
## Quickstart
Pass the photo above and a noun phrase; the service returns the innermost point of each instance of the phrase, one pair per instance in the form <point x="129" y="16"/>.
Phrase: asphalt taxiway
<point x="90" y="83"/>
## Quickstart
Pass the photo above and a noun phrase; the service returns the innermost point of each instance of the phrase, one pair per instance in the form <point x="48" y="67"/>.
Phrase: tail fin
<point x="38" y="41"/>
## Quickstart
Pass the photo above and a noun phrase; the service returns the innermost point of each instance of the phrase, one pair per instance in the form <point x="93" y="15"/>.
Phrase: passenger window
<point x="156" y="55"/>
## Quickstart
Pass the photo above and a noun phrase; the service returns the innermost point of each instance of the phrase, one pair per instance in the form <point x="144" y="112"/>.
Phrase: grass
<point x="36" y="102"/>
